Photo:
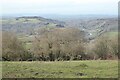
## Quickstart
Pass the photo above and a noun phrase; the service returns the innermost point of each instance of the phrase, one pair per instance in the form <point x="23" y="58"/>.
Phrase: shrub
<point x="12" y="48"/>
<point x="101" y="48"/>
<point x="59" y="43"/>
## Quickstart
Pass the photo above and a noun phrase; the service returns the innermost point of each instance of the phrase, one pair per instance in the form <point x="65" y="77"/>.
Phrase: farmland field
<point x="61" y="69"/>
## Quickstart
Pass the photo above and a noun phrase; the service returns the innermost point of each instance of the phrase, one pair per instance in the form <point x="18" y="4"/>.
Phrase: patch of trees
<point x="106" y="48"/>
<point x="58" y="44"/>
<point x="12" y="48"/>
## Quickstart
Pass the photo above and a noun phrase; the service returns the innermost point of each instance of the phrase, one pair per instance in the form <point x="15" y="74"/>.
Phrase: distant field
<point x="111" y="34"/>
<point x="62" y="69"/>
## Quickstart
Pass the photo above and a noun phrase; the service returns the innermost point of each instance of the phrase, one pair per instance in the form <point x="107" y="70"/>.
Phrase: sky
<point x="62" y="7"/>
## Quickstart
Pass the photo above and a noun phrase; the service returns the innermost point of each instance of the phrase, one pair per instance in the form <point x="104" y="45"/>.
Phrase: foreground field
<point x="65" y="69"/>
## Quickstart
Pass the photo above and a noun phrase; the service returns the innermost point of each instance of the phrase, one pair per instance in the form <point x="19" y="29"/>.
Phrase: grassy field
<point x="62" y="69"/>
<point x="111" y="35"/>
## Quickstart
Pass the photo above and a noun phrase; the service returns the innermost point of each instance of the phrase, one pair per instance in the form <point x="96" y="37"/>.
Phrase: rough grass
<point x="62" y="69"/>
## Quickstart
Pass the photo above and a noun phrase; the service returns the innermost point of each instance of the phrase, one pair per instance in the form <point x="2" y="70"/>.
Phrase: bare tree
<point x="12" y="48"/>
<point x="101" y="47"/>
<point x="59" y="43"/>
<point x="113" y="46"/>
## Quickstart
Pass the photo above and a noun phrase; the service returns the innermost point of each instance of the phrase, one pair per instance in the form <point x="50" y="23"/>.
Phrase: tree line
<point x="57" y="44"/>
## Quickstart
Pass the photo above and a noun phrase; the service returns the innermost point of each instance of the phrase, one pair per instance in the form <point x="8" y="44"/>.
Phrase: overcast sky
<point x="64" y="7"/>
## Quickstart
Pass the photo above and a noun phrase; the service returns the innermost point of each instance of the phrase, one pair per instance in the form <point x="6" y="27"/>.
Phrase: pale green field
<point x="111" y="34"/>
<point x="62" y="69"/>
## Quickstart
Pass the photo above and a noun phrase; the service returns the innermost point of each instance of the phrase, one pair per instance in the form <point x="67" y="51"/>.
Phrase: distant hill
<point x="94" y="27"/>
<point x="28" y="24"/>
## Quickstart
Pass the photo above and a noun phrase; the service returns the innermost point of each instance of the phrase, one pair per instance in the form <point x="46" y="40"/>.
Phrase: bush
<point x="106" y="47"/>
<point x="59" y="43"/>
<point x="101" y="48"/>
<point x="12" y="48"/>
